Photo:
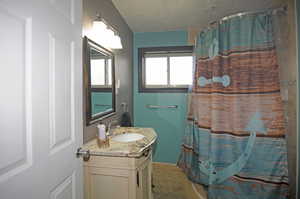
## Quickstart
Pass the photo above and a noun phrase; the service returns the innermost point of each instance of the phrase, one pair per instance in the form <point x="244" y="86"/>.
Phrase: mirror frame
<point x="87" y="45"/>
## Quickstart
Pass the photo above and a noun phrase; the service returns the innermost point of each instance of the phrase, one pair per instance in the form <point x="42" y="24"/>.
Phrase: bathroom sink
<point x="127" y="137"/>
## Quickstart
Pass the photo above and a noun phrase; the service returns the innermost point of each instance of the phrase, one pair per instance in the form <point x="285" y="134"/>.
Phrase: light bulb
<point x="98" y="25"/>
<point x="106" y="37"/>
<point x="116" y="44"/>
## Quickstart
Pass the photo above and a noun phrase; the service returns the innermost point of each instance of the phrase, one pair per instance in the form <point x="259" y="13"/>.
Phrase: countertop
<point x="119" y="149"/>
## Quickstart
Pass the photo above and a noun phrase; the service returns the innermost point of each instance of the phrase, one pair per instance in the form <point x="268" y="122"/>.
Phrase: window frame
<point x="168" y="51"/>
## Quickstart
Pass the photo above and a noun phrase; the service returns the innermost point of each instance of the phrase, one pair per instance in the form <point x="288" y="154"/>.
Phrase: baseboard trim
<point x="165" y="163"/>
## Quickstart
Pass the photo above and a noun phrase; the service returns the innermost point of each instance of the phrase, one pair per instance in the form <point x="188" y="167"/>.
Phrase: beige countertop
<point x="121" y="149"/>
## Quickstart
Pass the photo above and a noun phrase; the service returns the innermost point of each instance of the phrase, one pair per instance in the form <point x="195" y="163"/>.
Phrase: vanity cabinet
<point x="118" y="177"/>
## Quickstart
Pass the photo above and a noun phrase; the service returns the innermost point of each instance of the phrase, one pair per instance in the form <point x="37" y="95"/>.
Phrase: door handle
<point x="85" y="154"/>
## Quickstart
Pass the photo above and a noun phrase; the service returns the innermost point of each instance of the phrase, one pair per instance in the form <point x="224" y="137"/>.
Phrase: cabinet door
<point x="146" y="181"/>
<point x="104" y="183"/>
<point x="139" y="188"/>
<point x="144" y="184"/>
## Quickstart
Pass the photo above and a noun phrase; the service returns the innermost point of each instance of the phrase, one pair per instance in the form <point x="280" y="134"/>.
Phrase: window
<point x="165" y="69"/>
<point x="97" y="72"/>
<point x="101" y="71"/>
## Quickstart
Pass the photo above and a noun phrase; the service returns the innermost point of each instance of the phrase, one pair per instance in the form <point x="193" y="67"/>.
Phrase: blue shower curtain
<point x="234" y="141"/>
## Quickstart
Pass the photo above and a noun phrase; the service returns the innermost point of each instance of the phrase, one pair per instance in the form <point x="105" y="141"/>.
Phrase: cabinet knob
<point x="146" y="153"/>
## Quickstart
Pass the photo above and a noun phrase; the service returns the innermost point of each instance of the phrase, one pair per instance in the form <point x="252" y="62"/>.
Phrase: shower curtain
<point x="234" y="141"/>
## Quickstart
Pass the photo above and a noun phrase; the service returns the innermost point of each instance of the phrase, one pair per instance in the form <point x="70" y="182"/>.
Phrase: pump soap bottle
<point x="102" y="139"/>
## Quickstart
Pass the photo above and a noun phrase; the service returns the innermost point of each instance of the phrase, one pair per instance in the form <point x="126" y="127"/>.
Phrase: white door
<point x="40" y="99"/>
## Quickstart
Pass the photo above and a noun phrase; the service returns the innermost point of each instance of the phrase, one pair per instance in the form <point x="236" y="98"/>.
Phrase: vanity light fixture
<point x="105" y="34"/>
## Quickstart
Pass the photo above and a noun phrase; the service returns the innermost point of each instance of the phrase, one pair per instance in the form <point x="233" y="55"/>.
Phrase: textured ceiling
<point x="164" y="15"/>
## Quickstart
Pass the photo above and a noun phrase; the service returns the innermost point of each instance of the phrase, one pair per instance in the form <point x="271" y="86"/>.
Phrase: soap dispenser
<point x="102" y="139"/>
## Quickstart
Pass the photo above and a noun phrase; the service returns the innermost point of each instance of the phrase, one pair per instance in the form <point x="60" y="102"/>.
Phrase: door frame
<point x="297" y="7"/>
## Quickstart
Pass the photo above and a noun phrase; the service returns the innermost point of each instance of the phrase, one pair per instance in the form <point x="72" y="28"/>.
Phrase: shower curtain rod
<point x="274" y="11"/>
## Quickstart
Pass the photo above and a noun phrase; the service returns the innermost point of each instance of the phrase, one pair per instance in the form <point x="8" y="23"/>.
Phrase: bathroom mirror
<point x="99" y="81"/>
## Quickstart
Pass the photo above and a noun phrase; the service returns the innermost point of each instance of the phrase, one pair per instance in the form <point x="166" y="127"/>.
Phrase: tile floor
<point x="171" y="183"/>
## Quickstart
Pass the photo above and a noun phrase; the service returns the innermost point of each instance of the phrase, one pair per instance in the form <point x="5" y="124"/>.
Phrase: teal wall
<point x="104" y="98"/>
<point x="168" y="123"/>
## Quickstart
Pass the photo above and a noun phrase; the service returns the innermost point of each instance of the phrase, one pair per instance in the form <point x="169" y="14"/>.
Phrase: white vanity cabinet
<point x="118" y="177"/>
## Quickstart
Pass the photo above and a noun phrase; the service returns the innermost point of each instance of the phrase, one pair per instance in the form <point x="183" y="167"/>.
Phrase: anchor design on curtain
<point x="255" y="125"/>
<point x="234" y="142"/>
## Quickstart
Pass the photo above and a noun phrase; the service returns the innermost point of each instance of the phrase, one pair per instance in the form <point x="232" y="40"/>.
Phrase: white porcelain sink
<point x="127" y="137"/>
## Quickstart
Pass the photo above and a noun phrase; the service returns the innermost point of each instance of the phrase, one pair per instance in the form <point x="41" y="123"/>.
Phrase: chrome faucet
<point x="109" y="127"/>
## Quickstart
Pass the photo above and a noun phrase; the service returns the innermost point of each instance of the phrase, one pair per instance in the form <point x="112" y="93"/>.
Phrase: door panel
<point x="16" y="98"/>
<point x="65" y="7"/>
<point x="60" y="93"/>
<point x="40" y="99"/>
<point x="65" y="190"/>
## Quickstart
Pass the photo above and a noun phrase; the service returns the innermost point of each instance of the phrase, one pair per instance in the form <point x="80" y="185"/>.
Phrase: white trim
<point x="28" y="84"/>
<point x="172" y="54"/>
<point x="166" y="86"/>
<point x="52" y="129"/>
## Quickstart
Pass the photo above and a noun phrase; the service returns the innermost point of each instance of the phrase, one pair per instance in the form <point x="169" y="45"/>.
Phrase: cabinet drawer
<point x="118" y="162"/>
<point x="109" y="162"/>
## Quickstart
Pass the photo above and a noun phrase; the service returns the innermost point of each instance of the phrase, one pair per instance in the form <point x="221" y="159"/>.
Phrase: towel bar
<point x="102" y="105"/>
<point x="158" y="106"/>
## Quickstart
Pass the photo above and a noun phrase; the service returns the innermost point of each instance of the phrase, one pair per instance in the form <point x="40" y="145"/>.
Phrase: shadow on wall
<point x="123" y="58"/>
